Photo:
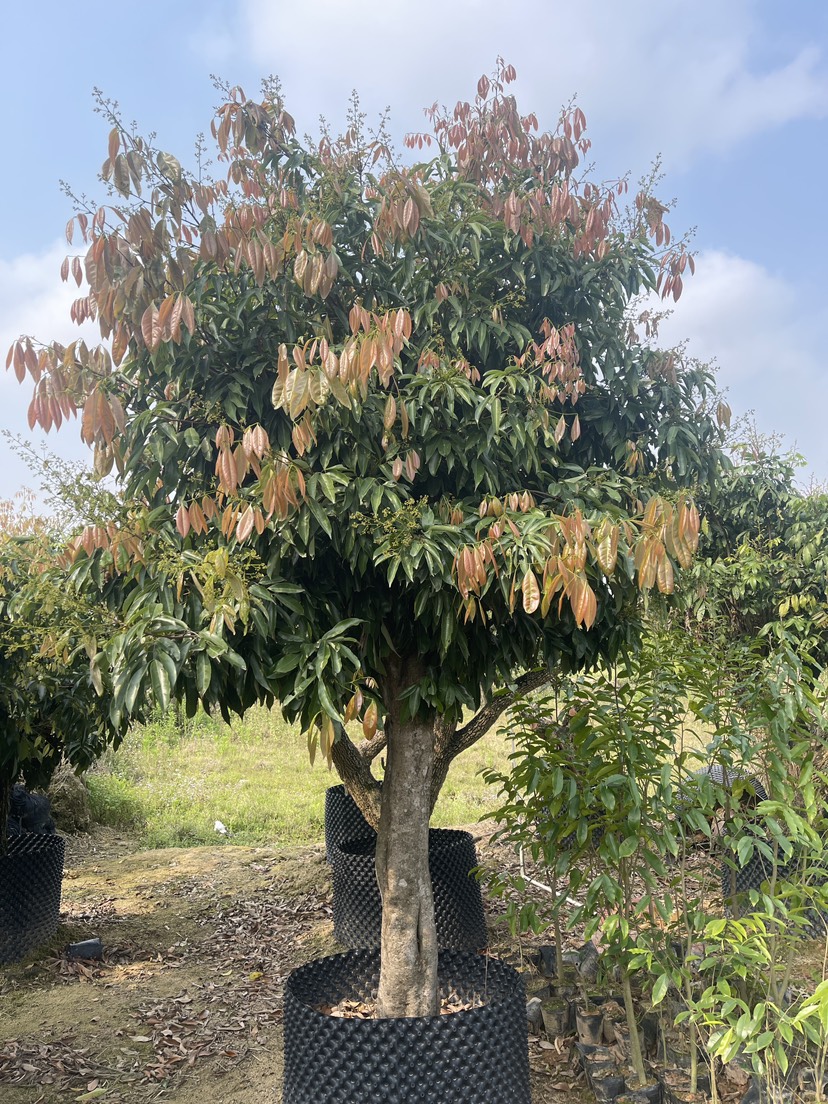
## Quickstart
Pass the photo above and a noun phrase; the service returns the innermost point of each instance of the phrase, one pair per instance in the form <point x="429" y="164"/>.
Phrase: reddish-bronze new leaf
<point x="531" y="592"/>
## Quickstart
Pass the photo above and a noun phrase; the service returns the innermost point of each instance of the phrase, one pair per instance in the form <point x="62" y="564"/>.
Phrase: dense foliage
<point x="50" y="683"/>
<point x="763" y="560"/>
<point x="604" y="799"/>
<point x="386" y="434"/>
<point x="411" y="402"/>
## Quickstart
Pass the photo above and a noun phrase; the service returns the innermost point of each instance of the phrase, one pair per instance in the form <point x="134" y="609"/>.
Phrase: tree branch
<point x="481" y="722"/>
<point x="371" y="748"/>
<point x="355" y="771"/>
<point x="449" y="745"/>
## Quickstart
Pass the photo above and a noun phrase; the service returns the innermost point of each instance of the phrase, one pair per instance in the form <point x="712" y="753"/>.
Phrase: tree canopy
<point x="762" y="565"/>
<point x="389" y="443"/>
<point x="385" y="411"/>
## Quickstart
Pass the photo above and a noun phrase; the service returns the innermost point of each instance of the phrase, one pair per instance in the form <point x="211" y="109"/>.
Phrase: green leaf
<point x="235" y="660"/>
<point x="744" y="850"/>
<point x="628" y="846"/>
<point x="167" y="662"/>
<point x="204" y="672"/>
<point x="325" y="701"/>
<point x="660" y="988"/>
<point x="328" y="486"/>
<point x="496" y="411"/>
<point x="319" y="514"/>
<point x="132" y="688"/>
<point x="161" y="684"/>
<point x="289" y="662"/>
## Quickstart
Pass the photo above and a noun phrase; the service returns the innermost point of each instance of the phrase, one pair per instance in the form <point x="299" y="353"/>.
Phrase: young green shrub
<point x="589" y="797"/>
<point x="743" y="1000"/>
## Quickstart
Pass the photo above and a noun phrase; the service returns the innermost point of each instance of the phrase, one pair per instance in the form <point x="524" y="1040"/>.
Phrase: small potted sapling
<point x="598" y="785"/>
<point x="545" y="816"/>
<point x="743" y="999"/>
<point x="622" y="729"/>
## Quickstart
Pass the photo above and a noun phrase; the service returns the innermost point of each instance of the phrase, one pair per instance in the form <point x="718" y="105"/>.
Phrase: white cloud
<point x="653" y="74"/>
<point x="34" y="302"/>
<point x="768" y="346"/>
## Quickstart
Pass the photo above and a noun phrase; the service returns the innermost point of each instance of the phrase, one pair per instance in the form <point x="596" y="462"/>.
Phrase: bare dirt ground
<point x="186" y="1005"/>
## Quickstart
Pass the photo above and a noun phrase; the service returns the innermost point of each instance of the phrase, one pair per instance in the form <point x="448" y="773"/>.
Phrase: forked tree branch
<point x="354" y="769"/>
<point x="449" y="744"/>
<point x="353" y="763"/>
<point x="481" y="722"/>
<point x="371" y="748"/>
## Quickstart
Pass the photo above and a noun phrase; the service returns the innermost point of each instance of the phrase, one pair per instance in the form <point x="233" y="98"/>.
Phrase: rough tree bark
<point x="353" y="765"/>
<point x="408" y="948"/>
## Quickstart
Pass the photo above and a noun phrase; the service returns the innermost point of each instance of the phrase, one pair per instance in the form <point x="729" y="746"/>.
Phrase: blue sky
<point x="732" y="93"/>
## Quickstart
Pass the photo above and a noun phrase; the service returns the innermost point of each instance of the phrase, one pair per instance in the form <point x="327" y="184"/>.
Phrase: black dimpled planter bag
<point x="458" y="902"/>
<point x="474" y="1056"/>
<point x="343" y="820"/>
<point x="30" y="879"/>
<point x="758" y="871"/>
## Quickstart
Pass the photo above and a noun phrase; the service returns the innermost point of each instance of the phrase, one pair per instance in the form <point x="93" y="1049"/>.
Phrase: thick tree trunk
<point x="418" y="756"/>
<point x="408" y="951"/>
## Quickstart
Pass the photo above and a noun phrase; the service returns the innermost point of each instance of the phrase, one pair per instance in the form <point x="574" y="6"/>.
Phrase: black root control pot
<point x="30" y="878"/>
<point x="475" y="1056"/>
<point x="458" y="902"/>
<point x="343" y="820"/>
<point x="757" y="869"/>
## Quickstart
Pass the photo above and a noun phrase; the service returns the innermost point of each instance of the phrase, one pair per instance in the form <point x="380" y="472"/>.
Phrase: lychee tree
<point x="392" y="450"/>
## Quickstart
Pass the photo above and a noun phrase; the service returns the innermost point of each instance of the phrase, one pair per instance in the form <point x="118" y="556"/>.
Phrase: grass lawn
<point x="170" y="781"/>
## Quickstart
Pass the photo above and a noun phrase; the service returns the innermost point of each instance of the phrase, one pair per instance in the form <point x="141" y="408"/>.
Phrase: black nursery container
<point x="757" y="869"/>
<point x="30" y="879"/>
<point x="458" y="902"/>
<point x="752" y="790"/>
<point x="728" y="777"/>
<point x="343" y="820"/>
<point x="475" y="1056"/>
